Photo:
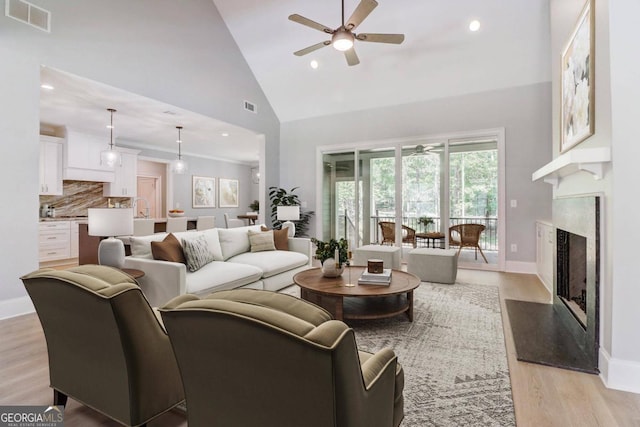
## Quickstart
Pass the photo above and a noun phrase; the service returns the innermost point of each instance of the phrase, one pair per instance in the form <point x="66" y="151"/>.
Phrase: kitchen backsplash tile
<point x="78" y="196"/>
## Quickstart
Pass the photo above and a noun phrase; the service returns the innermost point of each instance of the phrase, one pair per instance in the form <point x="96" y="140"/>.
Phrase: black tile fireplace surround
<point x="565" y="334"/>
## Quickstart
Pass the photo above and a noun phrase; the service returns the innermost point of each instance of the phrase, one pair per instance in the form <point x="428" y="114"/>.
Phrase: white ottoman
<point x="390" y="255"/>
<point x="434" y="265"/>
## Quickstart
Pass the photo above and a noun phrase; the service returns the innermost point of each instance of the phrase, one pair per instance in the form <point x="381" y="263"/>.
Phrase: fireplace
<point x="565" y="334"/>
<point x="577" y="270"/>
<point x="571" y="277"/>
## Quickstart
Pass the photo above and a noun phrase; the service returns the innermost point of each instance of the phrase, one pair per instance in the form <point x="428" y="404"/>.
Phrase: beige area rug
<point x="453" y="354"/>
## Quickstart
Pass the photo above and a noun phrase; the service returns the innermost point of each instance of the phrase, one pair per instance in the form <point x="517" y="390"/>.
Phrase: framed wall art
<point x="577" y="120"/>
<point x="203" y="192"/>
<point x="228" y="192"/>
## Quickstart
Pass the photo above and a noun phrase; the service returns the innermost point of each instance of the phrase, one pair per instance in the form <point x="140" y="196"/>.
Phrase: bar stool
<point x="143" y="227"/>
<point x="205" y="222"/>
<point x="175" y="225"/>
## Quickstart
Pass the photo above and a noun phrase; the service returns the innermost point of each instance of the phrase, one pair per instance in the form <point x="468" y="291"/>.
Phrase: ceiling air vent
<point x="249" y="106"/>
<point x="28" y="13"/>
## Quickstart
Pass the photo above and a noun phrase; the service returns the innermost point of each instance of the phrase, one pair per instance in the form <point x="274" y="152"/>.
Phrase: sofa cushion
<point x="280" y="238"/>
<point x="272" y="262"/>
<point x="261" y="241"/>
<point x="219" y="275"/>
<point x="197" y="253"/>
<point x="168" y="250"/>
<point x="141" y="245"/>
<point x="234" y="241"/>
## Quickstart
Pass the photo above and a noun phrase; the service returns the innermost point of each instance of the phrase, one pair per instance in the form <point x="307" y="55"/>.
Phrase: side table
<point x="432" y="237"/>
<point x="136" y="274"/>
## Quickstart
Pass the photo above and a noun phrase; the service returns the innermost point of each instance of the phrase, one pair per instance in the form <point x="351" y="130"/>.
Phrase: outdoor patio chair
<point x="389" y="233"/>
<point x="467" y="236"/>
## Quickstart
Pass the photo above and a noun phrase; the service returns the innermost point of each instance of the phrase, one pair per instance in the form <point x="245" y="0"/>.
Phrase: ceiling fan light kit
<point x="344" y="37"/>
<point x="342" y="40"/>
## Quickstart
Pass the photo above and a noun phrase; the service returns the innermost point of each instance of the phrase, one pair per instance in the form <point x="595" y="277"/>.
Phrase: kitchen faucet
<point x="145" y="214"/>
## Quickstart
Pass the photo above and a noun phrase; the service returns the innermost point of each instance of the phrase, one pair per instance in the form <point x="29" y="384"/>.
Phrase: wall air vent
<point x="250" y="106"/>
<point x="29" y="14"/>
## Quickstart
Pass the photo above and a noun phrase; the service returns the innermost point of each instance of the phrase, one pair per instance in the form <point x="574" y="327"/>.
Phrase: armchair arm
<point x="376" y="365"/>
<point x="162" y="280"/>
<point x="301" y="245"/>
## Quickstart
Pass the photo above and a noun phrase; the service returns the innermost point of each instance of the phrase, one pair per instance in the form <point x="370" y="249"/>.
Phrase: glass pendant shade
<point x="110" y="157"/>
<point x="179" y="166"/>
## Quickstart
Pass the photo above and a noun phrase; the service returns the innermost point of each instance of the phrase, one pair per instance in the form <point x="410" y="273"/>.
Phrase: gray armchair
<point x="259" y="358"/>
<point x="107" y="348"/>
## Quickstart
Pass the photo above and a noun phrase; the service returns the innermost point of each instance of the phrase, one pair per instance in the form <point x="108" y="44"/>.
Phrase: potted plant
<point x="254" y="206"/>
<point x="425" y="221"/>
<point x="326" y="253"/>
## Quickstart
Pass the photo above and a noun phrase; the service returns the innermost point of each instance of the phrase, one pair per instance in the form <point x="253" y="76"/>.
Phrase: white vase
<point x="329" y="268"/>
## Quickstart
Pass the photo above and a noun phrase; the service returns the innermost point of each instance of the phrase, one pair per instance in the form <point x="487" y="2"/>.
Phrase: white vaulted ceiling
<point x="440" y="57"/>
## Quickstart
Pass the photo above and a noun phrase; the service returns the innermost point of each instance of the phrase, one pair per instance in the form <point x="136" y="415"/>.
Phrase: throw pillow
<point x="280" y="238"/>
<point x="261" y="241"/>
<point x="197" y="253"/>
<point x="168" y="250"/>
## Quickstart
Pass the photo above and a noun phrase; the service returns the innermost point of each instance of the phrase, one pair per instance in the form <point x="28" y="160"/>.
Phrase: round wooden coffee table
<point x="360" y="301"/>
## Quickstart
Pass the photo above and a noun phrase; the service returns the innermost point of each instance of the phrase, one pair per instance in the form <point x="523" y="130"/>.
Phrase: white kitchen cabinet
<point x="74" y="238"/>
<point x="126" y="176"/>
<point x="545" y="243"/>
<point x="54" y="239"/>
<point x="50" y="165"/>
<point x="81" y="157"/>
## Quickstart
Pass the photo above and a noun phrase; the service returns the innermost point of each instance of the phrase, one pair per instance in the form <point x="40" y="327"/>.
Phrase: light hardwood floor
<point x="543" y="396"/>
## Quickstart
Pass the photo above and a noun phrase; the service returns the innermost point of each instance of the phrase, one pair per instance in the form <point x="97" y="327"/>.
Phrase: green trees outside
<point x="473" y="185"/>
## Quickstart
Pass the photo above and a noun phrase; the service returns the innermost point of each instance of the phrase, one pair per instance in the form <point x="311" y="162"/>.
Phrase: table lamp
<point x="288" y="214"/>
<point x="106" y="222"/>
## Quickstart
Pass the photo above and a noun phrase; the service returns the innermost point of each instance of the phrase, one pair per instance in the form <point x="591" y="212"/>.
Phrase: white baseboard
<point x="16" y="307"/>
<point x="618" y="374"/>
<point x="520" y="267"/>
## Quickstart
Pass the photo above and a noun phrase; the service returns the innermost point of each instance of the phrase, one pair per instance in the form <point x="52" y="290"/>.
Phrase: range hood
<point x="81" y="158"/>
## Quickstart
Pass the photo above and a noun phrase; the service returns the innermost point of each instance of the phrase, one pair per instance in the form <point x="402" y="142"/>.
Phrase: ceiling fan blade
<point x="312" y="48"/>
<point x="362" y="11"/>
<point x="309" y="23"/>
<point x="352" y="58"/>
<point x="381" y="38"/>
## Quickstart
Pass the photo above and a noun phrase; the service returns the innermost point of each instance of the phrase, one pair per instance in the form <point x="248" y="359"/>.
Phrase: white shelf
<point x="590" y="160"/>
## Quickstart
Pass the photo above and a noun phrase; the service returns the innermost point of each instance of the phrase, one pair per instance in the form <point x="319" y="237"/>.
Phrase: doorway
<point x="149" y="190"/>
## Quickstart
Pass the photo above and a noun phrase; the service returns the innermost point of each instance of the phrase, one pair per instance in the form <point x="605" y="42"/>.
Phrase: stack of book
<point x="383" y="278"/>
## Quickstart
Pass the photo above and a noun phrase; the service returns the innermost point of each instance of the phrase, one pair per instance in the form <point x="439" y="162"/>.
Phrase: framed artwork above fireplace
<point x="577" y="121"/>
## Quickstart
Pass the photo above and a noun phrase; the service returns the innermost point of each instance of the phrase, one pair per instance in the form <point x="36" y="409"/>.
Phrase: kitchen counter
<point x="65" y="218"/>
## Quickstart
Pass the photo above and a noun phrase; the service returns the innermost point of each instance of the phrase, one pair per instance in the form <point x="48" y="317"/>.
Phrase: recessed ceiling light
<point x="225" y="134"/>
<point x="314" y="64"/>
<point x="46" y="86"/>
<point x="474" y="25"/>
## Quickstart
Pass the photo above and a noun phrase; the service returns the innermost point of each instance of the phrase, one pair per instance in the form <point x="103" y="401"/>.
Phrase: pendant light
<point x="179" y="166"/>
<point x="111" y="157"/>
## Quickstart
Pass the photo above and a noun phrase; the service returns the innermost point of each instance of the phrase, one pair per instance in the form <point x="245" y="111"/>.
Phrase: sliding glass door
<point x="423" y="189"/>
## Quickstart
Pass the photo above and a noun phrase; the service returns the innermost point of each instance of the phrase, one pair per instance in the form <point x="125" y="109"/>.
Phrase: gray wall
<point x="182" y="184"/>
<point x="183" y="56"/>
<point x="522" y="111"/>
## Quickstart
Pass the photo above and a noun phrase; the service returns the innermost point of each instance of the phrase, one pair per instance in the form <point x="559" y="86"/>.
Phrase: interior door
<point x="148" y="189"/>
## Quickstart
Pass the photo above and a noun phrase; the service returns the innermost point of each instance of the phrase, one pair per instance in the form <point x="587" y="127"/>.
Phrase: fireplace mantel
<point x="590" y="160"/>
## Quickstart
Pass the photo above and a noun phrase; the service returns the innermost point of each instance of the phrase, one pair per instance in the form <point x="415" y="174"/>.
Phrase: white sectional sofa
<point x="234" y="265"/>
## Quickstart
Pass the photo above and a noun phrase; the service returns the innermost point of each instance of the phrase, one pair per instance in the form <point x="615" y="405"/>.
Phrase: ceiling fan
<point x="421" y="150"/>
<point x="343" y="37"/>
